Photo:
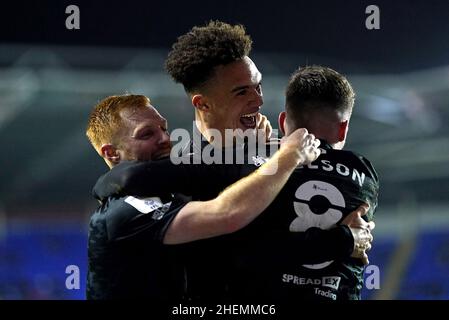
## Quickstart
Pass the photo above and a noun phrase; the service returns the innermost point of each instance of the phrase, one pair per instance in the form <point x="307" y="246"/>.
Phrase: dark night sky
<point x="413" y="34"/>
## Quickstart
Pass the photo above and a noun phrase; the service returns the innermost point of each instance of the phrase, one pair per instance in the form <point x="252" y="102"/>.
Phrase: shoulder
<point x="355" y="160"/>
<point x="122" y="217"/>
<point x="368" y="165"/>
<point x="113" y="212"/>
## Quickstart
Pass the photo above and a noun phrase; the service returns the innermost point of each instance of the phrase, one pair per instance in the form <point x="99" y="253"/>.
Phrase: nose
<point x="164" y="139"/>
<point x="258" y="96"/>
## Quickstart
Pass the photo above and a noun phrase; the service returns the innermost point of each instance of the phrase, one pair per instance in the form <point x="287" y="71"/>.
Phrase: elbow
<point x="233" y="220"/>
<point x="231" y="217"/>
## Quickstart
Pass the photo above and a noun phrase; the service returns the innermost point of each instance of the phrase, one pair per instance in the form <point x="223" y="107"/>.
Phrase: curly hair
<point x="314" y="88"/>
<point x="195" y="55"/>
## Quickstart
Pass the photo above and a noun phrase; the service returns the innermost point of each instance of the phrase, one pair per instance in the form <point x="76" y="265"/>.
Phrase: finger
<point x="302" y="132"/>
<point x="258" y="119"/>
<point x="364" y="207"/>
<point x="368" y="247"/>
<point x="364" y="237"/>
<point x="371" y="225"/>
<point x="269" y="130"/>
<point x="310" y="138"/>
<point x="360" y="211"/>
<point x="309" y="141"/>
<point x="357" y="213"/>
<point x="348" y="219"/>
<point x="262" y="135"/>
<point x="365" y="259"/>
<point x="263" y="121"/>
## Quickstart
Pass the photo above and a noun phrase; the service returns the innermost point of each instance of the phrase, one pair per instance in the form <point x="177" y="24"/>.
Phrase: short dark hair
<point x="195" y="54"/>
<point x="315" y="88"/>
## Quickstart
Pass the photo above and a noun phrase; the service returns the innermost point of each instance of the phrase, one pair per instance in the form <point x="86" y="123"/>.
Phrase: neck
<point x="213" y="135"/>
<point x="327" y="135"/>
<point x="203" y="128"/>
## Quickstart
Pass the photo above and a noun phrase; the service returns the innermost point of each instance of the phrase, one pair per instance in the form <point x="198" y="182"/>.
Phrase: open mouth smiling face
<point x="248" y="120"/>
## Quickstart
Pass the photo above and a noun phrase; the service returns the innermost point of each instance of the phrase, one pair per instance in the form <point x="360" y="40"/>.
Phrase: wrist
<point x="291" y="154"/>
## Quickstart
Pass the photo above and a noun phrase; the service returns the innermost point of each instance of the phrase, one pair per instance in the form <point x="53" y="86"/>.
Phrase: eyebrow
<point x="143" y="127"/>
<point x="247" y="86"/>
<point x="239" y="88"/>
<point x="147" y="125"/>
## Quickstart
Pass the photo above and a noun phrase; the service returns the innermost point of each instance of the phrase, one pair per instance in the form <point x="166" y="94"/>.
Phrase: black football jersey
<point x="217" y="267"/>
<point x="319" y="195"/>
<point x="126" y="255"/>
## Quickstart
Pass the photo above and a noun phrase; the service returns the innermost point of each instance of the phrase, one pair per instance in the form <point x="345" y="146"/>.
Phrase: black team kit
<point x="294" y="250"/>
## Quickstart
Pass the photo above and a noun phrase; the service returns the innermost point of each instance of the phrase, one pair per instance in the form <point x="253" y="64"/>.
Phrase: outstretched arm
<point x="145" y="178"/>
<point x="243" y="201"/>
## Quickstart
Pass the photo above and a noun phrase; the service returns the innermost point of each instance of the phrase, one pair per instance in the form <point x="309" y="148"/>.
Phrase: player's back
<point x="319" y="195"/>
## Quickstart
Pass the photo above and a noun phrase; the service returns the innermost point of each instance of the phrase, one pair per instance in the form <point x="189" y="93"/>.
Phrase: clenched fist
<point x="305" y="144"/>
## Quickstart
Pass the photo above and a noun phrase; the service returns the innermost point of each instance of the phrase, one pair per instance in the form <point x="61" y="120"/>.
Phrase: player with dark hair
<point x="224" y="85"/>
<point x="319" y="195"/>
<point x="222" y="82"/>
<point x="196" y="53"/>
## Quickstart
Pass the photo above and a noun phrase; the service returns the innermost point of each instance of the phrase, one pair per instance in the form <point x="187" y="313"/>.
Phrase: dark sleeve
<point x="129" y="223"/>
<point x="370" y="168"/>
<point x="312" y="246"/>
<point x="371" y="188"/>
<point x="153" y="177"/>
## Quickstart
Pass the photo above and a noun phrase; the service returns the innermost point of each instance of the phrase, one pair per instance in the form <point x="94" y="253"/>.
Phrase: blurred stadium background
<point x="51" y="77"/>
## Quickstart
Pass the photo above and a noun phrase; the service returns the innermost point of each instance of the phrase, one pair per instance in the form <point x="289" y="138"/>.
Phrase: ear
<point x="281" y="121"/>
<point x="343" y="130"/>
<point x="110" y="153"/>
<point x="200" y="102"/>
